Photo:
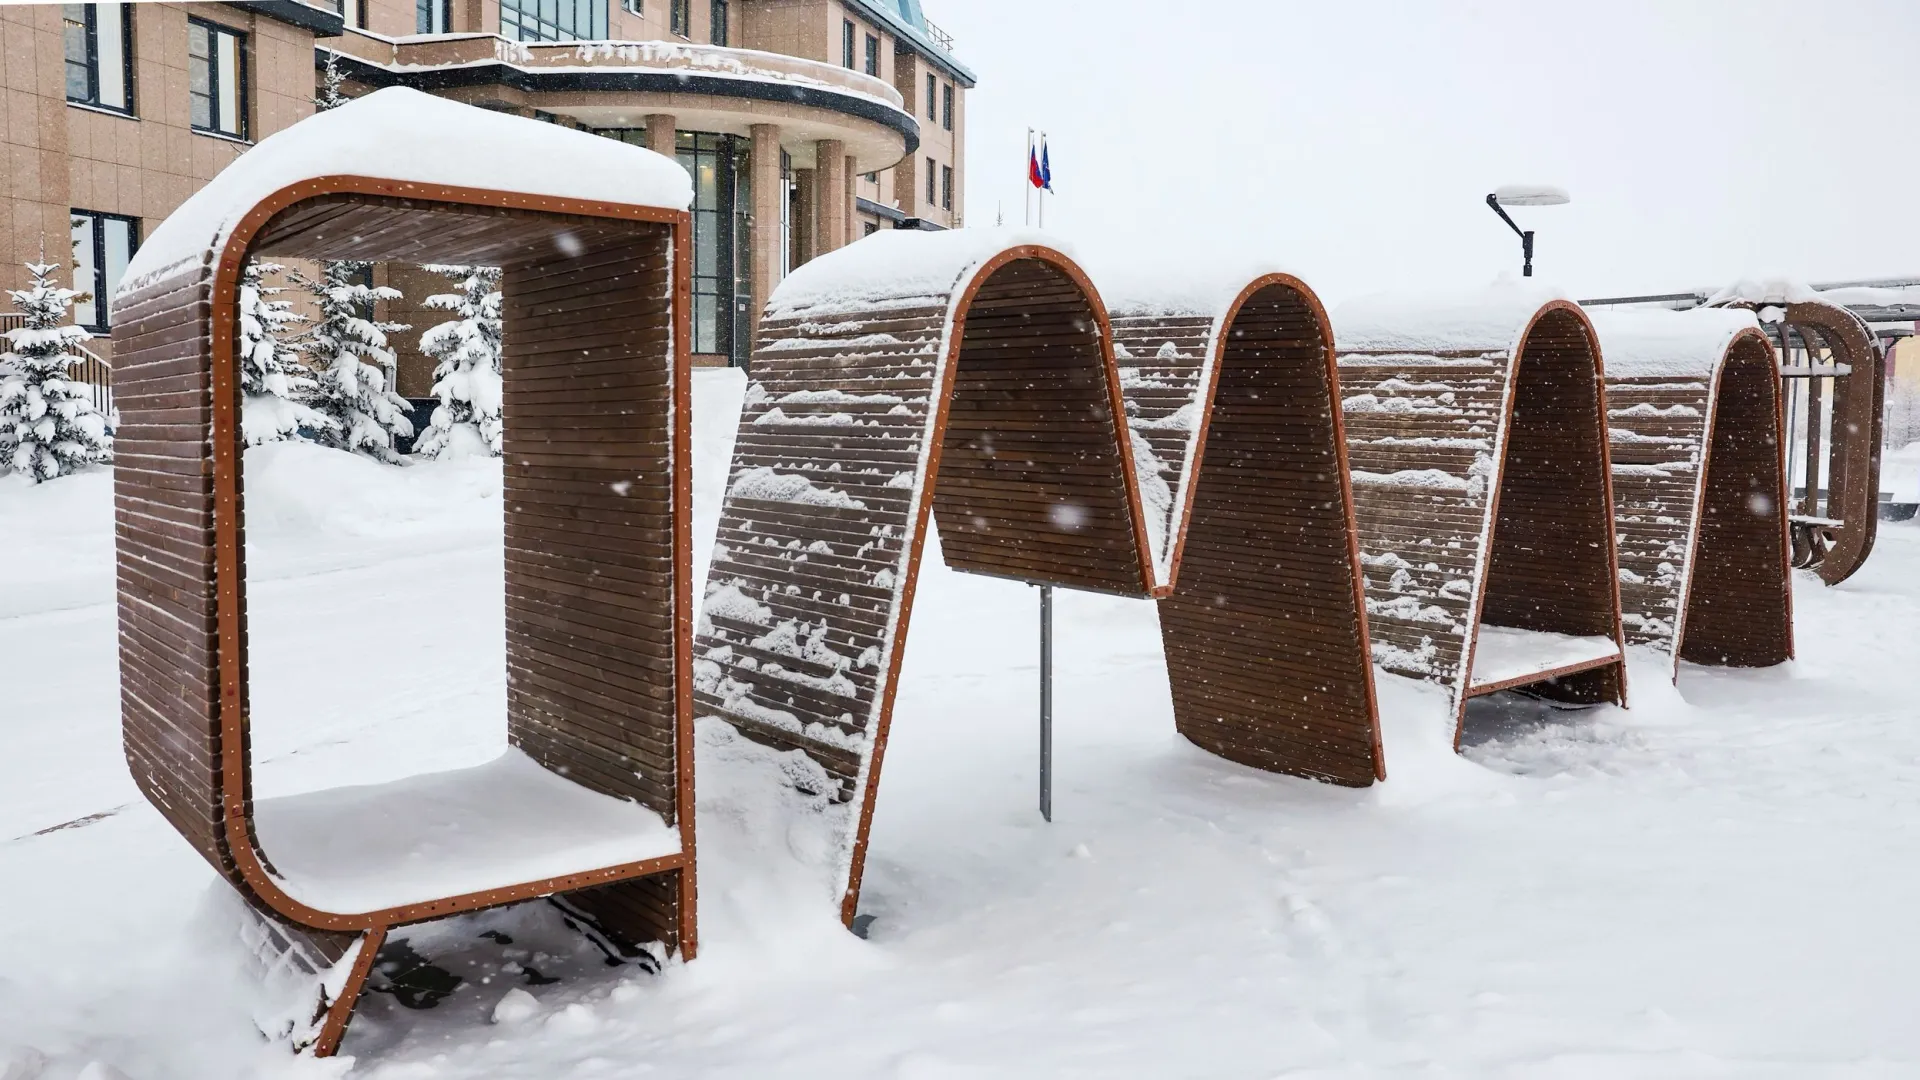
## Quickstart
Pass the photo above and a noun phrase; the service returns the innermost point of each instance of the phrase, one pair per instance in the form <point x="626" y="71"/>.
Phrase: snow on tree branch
<point x="48" y="425"/>
<point x="467" y="375"/>
<point x="353" y="363"/>
<point x="272" y="377"/>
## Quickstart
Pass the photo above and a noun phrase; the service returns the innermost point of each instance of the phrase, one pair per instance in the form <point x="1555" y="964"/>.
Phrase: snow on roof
<point x="1654" y="342"/>
<point x="1764" y="291"/>
<point x="1158" y="289"/>
<point x="1489" y="319"/>
<point x="402" y="134"/>
<point x="897" y="265"/>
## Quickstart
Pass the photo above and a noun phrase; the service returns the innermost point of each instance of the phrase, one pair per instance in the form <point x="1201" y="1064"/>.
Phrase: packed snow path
<point x="1718" y="882"/>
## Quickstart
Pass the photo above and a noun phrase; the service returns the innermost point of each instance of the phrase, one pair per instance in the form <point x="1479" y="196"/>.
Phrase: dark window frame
<point x="932" y="168"/>
<point x="717" y="32"/>
<point x="872" y="64"/>
<point x="846" y="44"/>
<point x="102" y="291"/>
<point x="431" y="11"/>
<point x="90" y="30"/>
<point x="523" y="20"/>
<point x="946" y="106"/>
<point x="633" y="7"/>
<point x="679" y="18"/>
<point x="241" y="88"/>
<point x="933" y="96"/>
<point x="946" y="187"/>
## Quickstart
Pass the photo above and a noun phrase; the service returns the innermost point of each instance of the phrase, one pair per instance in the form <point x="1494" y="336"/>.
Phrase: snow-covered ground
<point x="1719" y="882"/>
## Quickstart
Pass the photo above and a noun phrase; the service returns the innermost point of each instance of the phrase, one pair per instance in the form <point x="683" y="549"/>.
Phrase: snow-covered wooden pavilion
<point x="594" y="797"/>
<point x="970" y="377"/>
<point x="1699" y="484"/>
<point x="1476" y="430"/>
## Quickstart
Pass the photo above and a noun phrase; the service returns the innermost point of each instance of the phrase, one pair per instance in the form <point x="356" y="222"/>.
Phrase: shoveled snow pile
<point x="1706" y="885"/>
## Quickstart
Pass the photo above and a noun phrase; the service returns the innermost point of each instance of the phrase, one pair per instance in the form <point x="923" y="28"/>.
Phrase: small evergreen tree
<point x="350" y="353"/>
<point x="272" y="378"/>
<point x="48" y="425"/>
<point x="331" y="79"/>
<point x="466" y="378"/>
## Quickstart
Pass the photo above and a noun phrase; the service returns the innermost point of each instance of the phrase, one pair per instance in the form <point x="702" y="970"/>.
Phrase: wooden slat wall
<point x="1656" y="425"/>
<point x="163" y="525"/>
<point x="588" y="406"/>
<point x="1421" y="433"/>
<point x="1422" y="430"/>
<point x="1739" y="606"/>
<point x="1266" y="649"/>
<point x="1859" y="408"/>
<point x="1031" y="482"/>
<point x="1162" y="359"/>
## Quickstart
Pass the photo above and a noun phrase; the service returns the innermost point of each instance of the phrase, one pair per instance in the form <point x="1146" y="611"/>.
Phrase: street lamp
<point x="1524" y="195"/>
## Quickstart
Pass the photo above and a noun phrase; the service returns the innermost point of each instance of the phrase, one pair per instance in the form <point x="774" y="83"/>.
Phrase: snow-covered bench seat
<point x="1476" y="432"/>
<point x="968" y="379"/>
<point x="594" y="799"/>
<point x="1699" y="484"/>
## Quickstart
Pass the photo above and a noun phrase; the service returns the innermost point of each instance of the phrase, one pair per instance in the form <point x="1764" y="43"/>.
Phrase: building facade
<point x="806" y="123"/>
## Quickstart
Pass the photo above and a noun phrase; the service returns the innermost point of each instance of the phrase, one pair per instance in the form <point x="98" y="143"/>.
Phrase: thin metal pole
<point x="1026" y="183"/>
<point x="1046" y="702"/>
<point x="1040" y="199"/>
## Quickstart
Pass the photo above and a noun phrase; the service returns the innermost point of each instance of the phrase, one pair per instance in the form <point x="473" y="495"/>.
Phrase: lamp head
<point x="1528" y="195"/>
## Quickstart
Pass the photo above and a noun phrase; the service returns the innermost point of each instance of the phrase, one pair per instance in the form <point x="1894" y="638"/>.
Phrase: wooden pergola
<point x="1699" y="485"/>
<point x="594" y="797"/>
<point x="971" y="377"/>
<point x="1476" y="429"/>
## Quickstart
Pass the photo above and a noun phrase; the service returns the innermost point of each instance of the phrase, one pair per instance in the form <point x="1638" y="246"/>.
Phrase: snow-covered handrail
<point x="1476" y="431"/>
<point x="594" y="798"/>
<point x="969" y="378"/>
<point x="1699" y="484"/>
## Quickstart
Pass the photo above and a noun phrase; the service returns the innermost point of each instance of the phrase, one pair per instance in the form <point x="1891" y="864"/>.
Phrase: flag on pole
<point x="1046" y="170"/>
<point x="1034" y="174"/>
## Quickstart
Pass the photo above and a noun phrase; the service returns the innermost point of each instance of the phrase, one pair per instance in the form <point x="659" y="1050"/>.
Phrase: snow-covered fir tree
<point x="48" y="425"/>
<point x="272" y="379"/>
<point x="351" y="358"/>
<point x="466" y="378"/>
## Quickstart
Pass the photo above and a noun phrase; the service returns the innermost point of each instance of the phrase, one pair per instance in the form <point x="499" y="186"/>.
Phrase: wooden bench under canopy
<point x="970" y="378"/>
<point x="1699" y="484"/>
<point x="594" y="797"/>
<point x="1476" y="431"/>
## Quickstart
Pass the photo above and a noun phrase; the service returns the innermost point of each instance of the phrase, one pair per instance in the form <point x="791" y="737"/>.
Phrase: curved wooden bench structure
<point x="1699" y="485"/>
<point x="970" y="376"/>
<point x="594" y="797"/>
<point x="1476" y="430"/>
<point x="1832" y="537"/>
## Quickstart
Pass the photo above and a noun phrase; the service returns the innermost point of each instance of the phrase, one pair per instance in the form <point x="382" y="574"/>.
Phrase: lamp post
<point x="1524" y="195"/>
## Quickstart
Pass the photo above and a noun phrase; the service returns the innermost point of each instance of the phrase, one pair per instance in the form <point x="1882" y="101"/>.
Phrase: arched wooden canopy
<point x="1699" y="485"/>
<point x="594" y="798"/>
<point x="1476" y="430"/>
<point x="970" y="376"/>
<point x="1831" y="536"/>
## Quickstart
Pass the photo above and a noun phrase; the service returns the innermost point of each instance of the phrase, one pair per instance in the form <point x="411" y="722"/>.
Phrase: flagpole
<point x="1040" y="196"/>
<point x="1026" y="184"/>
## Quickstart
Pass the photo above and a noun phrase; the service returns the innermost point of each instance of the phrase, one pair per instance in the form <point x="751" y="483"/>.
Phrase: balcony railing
<point x="467" y="50"/>
<point x="940" y="37"/>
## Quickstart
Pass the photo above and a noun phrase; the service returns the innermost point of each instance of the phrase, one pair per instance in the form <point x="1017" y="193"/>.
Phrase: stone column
<point x="806" y="231"/>
<point x="768" y="195"/>
<point x="853" y="223"/>
<point x="835" y="185"/>
<point x="660" y="133"/>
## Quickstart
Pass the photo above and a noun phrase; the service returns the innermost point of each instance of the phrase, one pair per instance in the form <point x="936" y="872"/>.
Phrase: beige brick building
<point x="806" y="123"/>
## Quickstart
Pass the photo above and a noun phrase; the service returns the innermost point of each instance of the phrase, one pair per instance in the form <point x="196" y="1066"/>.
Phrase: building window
<point x="631" y="7"/>
<point x="102" y="244"/>
<point x="678" y="17"/>
<point x="846" y="43"/>
<point x="353" y="13"/>
<point x="99" y="59"/>
<point x="946" y="187"/>
<point x="946" y="106"/>
<point x="554" y="20"/>
<point x="869" y="228"/>
<point x="719" y="34"/>
<point x="932" y="98"/>
<point x="217" y="78"/>
<point x="432" y="16"/>
<point x="873" y="55"/>
<point x="930" y="171"/>
<point x="722" y="243"/>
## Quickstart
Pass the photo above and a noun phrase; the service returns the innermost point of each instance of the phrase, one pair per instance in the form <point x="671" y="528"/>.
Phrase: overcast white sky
<point x="1355" y="142"/>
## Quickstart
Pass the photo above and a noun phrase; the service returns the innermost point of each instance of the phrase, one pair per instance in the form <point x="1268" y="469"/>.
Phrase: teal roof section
<point x="909" y="23"/>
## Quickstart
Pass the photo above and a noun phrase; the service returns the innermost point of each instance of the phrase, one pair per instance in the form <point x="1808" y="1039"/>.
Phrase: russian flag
<point x="1039" y="170"/>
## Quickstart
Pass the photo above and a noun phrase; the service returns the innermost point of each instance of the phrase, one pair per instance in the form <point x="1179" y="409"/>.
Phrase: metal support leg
<point x="1046" y="702"/>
